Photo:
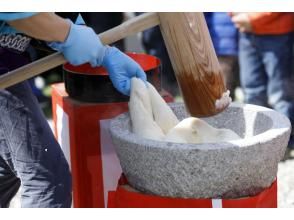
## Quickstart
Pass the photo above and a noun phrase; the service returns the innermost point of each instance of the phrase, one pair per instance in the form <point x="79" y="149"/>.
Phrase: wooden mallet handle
<point x="130" y="27"/>
<point x="194" y="61"/>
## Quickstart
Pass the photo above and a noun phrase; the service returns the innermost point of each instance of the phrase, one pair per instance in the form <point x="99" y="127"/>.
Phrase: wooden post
<point x="194" y="61"/>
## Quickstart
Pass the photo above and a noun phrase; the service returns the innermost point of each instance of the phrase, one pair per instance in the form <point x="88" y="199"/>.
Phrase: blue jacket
<point x="223" y="33"/>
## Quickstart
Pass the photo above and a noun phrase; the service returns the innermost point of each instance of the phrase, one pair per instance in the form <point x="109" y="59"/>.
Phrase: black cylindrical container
<point x="93" y="85"/>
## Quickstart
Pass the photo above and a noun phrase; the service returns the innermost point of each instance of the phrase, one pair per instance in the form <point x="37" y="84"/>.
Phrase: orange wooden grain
<point x="194" y="61"/>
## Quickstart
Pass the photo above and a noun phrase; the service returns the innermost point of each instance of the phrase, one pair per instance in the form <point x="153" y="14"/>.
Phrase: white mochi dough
<point x="140" y="109"/>
<point x="153" y="119"/>
<point x="162" y="113"/>
<point x="195" y="130"/>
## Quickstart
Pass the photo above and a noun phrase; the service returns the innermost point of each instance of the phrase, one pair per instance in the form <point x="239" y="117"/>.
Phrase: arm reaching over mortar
<point x="79" y="44"/>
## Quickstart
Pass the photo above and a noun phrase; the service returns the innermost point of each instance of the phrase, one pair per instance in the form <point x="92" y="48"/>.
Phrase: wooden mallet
<point x="190" y="50"/>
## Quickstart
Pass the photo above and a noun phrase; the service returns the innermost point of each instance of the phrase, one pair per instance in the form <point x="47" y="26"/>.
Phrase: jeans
<point x="266" y="71"/>
<point x="29" y="154"/>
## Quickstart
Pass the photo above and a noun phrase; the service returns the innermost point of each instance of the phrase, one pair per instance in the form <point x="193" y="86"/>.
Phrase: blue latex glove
<point x="81" y="46"/>
<point x="121" y="69"/>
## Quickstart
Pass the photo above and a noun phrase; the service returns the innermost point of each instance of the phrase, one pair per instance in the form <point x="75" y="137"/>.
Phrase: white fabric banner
<point x="110" y="163"/>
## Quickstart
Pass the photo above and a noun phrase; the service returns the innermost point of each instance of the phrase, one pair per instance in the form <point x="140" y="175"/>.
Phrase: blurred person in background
<point x="224" y="37"/>
<point x="265" y="58"/>
<point x="153" y="43"/>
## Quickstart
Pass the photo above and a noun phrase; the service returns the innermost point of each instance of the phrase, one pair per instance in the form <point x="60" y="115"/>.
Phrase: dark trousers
<point x="266" y="71"/>
<point x="29" y="153"/>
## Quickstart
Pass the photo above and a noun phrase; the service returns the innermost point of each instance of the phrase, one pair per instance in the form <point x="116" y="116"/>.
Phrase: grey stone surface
<point x="216" y="170"/>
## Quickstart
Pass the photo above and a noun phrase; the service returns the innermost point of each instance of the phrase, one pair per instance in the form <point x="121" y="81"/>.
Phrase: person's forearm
<point x="43" y="26"/>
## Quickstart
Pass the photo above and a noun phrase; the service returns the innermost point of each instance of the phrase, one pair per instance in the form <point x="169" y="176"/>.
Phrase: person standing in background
<point x="265" y="57"/>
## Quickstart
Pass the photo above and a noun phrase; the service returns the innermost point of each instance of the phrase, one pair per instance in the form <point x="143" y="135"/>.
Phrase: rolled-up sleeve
<point x="10" y="16"/>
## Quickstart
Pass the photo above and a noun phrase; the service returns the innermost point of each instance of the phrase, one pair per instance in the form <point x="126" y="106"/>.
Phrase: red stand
<point x="82" y="131"/>
<point x="126" y="197"/>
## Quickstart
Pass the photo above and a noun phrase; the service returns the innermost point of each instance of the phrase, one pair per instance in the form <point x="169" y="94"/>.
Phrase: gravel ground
<point x="286" y="182"/>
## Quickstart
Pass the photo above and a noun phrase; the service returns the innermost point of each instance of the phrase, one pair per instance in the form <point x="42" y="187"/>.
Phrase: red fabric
<point x="266" y="199"/>
<point x="271" y="22"/>
<point x="124" y="198"/>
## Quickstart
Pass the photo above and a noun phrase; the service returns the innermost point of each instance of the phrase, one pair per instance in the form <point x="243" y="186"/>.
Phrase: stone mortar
<point x="213" y="170"/>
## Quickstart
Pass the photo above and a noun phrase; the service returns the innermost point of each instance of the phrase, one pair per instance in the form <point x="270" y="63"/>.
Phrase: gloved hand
<point x="81" y="46"/>
<point x="121" y="69"/>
